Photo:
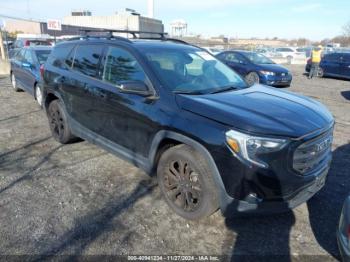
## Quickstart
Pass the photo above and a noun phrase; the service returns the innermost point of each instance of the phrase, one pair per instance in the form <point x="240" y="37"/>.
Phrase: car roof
<point x="137" y="43"/>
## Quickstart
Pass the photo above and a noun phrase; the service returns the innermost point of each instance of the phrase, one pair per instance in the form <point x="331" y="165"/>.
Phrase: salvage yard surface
<point x="79" y="199"/>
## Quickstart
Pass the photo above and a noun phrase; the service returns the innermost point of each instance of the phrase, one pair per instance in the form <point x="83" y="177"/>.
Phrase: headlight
<point x="249" y="148"/>
<point x="268" y="73"/>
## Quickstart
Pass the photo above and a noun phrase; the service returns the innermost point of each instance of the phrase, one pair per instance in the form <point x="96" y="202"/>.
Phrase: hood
<point x="273" y="68"/>
<point x="260" y="110"/>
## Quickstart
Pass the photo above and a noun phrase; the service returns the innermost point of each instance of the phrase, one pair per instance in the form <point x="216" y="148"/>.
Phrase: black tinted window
<point x="59" y="54"/>
<point x="120" y="65"/>
<point x="87" y="58"/>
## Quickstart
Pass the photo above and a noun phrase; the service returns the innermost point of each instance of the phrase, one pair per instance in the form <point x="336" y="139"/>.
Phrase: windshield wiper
<point x="224" y="89"/>
<point x="184" y="92"/>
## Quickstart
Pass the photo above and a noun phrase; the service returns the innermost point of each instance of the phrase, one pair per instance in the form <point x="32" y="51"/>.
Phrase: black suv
<point x="173" y="109"/>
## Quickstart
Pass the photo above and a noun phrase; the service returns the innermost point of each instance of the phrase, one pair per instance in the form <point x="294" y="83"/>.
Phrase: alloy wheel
<point x="56" y="122"/>
<point x="38" y="95"/>
<point x="183" y="186"/>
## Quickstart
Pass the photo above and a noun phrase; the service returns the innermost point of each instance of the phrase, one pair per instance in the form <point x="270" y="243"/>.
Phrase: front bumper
<point x="276" y="80"/>
<point x="278" y="188"/>
<point x="298" y="197"/>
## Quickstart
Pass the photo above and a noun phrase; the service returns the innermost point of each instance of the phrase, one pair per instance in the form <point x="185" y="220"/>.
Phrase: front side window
<point x="192" y="71"/>
<point x="232" y="57"/>
<point x="87" y="59"/>
<point x="121" y="66"/>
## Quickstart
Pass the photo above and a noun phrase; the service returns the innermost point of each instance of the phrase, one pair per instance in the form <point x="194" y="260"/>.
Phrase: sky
<point x="312" y="19"/>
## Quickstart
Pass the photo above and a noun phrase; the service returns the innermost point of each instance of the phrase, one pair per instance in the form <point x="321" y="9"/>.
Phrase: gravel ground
<point x="78" y="199"/>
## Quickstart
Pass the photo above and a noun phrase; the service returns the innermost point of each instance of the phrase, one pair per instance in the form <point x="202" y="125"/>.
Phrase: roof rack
<point x="133" y="33"/>
<point x="109" y="35"/>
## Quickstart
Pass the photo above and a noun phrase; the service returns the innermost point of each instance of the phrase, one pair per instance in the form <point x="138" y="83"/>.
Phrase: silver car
<point x="343" y="232"/>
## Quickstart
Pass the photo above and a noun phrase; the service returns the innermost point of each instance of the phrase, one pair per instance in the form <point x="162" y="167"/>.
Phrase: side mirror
<point x="135" y="87"/>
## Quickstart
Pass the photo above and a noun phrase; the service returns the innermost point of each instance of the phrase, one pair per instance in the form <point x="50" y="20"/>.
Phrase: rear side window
<point x="42" y="55"/>
<point x="28" y="57"/>
<point x="332" y="57"/>
<point x="120" y="66"/>
<point x="87" y="58"/>
<point x="59" y="55"/>
<point x="20" y="55"/>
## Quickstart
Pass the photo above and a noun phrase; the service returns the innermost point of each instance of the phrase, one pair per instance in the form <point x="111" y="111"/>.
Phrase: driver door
<point x="236" y="62"/>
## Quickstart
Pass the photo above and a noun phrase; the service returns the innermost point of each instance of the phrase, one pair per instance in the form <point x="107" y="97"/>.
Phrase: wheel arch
<point x="49" y="97"/>
<point x="166" y="139"/>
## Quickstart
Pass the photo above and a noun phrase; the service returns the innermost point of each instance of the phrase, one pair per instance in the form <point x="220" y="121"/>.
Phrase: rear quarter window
<point x="58" y="56"/>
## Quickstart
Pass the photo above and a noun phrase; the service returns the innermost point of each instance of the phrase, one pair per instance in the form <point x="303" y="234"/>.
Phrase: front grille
<point x="312" y="154"/>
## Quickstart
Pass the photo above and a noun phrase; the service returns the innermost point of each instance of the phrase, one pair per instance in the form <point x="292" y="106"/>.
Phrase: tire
<point x="252" y="78"/>
<point x="320" y="72"/>
<point x="14" y="83"/>
<point x="187" y="183"/>
<point x="38" y="94"/>
<point x="59" y="126"/>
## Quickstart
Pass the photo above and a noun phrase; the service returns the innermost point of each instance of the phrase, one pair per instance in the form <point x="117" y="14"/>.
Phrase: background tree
<point x="346" y="29"/>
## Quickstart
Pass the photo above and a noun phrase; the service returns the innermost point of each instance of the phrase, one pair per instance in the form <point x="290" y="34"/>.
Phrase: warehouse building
<point x="126" y="19"/>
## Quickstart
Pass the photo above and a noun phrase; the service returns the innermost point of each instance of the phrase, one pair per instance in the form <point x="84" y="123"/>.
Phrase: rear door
<point x="345" y="65"/>
<point x="123" y="118"/>
<point x="28" y="73"/>
<point x="17" y="67"/>
<point x="331" y="64"/>
<point x="80" y="81"/>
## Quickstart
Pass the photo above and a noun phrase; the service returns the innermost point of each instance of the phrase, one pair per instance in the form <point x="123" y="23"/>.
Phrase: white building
<point x="126" y="19"/>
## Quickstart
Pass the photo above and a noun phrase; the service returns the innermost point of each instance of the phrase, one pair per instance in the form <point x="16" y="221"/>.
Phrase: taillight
<point x="42" y="70"/>
<point x="27" y="43"/>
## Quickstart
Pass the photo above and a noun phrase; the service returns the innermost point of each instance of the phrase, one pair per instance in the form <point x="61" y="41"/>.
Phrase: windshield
<point x="193" y="71"/>
<point x="258" y="58"/>
<point x="42" y="55"/>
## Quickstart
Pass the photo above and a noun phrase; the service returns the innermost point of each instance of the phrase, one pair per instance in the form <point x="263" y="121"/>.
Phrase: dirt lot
<point x="78" y="199"/>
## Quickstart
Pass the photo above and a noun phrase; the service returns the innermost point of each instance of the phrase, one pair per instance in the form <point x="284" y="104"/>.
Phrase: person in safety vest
<point x="316" y="57"/>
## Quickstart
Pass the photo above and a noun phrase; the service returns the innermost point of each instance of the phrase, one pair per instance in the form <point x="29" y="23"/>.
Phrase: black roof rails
<point x="109" y="35"/>
<point x="133" y="33"/>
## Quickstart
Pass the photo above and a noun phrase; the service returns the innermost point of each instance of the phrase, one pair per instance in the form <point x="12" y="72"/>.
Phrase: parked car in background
<point x="25" y="42"/>
<point x="256" y="68"/>
<point x="289" y="53"/>
<point x="333" y="65"/>
<point x="306" y="50"/>
<point x="343" y="232"/>
<point x="212" y="50"/>
<point x="173" y="109"/>
<point x="25" y="70"/>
